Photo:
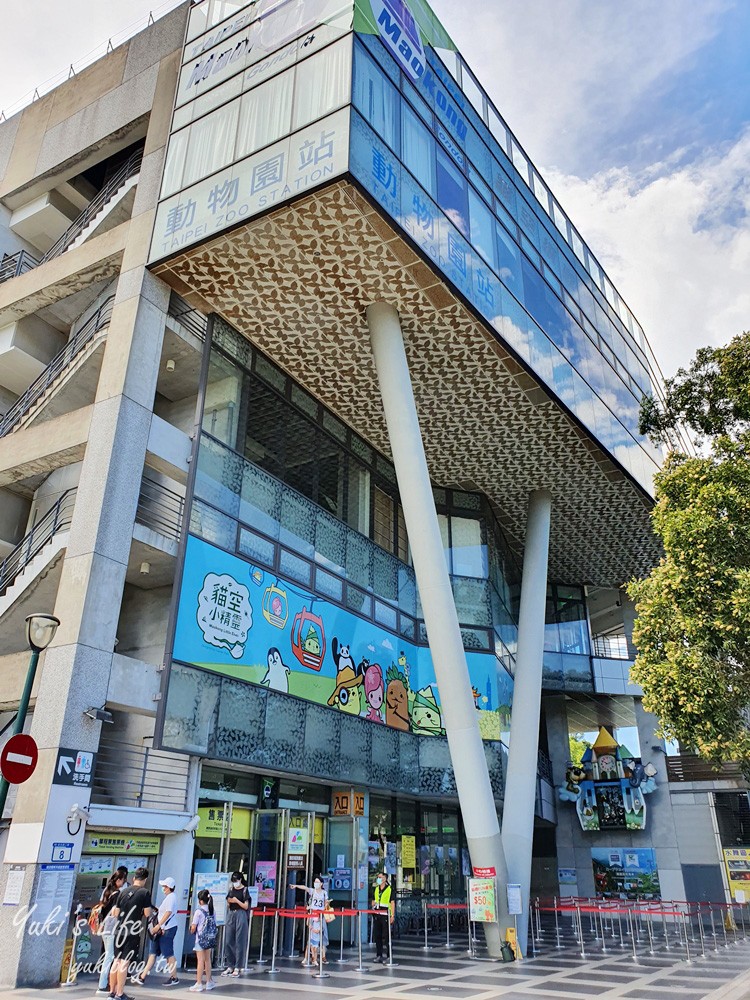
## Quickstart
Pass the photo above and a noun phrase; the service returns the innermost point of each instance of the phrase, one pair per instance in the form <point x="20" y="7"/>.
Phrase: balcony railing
<point x="14" y="264"/>
<point x="611" y="647"/>
<point x="160" y="508"/>
<point x="188" y="317"/>
<point x="136" y="776"/>
<point x="56" y="519"/>
<point x="59" y="363"/>
<point x="690" y="767"/>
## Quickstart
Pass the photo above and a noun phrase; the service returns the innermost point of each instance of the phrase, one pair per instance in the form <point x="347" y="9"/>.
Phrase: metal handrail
<point x="57" y="517"/>
<point x="188" y="317"/>
<point x="14" y="264"/>
<point x="129" y="168"/>
<point x="17" y="263"/>
<point x="160" y="508"/>
<point x="58" y="364"/>
<point x="136" y="776"/>
<point x="610" y="647"/>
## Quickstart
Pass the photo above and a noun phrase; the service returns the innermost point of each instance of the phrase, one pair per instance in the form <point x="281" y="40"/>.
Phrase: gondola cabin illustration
<point x="308" y="639"/>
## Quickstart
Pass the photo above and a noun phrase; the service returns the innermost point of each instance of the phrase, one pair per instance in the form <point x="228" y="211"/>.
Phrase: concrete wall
<point x="105" y="107"/>
<point x="142" y="628"/>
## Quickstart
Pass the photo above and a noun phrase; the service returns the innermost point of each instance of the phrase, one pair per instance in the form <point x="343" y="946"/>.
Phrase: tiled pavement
<point x="724" y="974"/>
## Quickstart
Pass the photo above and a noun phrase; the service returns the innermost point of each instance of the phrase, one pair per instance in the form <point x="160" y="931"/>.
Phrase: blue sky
<point x="637" y="113"/>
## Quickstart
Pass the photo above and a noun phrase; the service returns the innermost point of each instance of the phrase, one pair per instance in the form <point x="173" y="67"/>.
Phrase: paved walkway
<point x="724" y="974"/>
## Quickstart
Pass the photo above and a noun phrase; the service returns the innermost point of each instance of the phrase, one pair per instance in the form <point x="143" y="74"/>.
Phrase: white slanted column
<point x="520" y="781"/>
<point x="443" y="634"/>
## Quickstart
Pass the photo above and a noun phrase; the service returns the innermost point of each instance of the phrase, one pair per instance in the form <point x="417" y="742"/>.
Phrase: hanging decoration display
<point x="609" y="786"/>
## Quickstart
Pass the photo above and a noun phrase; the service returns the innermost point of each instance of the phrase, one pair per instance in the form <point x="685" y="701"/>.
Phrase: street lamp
<point x="40" y="631"/>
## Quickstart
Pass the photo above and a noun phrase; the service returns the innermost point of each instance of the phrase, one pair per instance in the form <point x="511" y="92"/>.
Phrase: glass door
<point x="268" y="855"/>
<point x="343" y="867"/>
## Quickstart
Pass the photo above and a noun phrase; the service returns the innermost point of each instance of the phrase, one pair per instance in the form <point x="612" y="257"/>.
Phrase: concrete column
<point x="520" y="782"/>
<point x="76" y="667"/>
<point x="443" y="634"/>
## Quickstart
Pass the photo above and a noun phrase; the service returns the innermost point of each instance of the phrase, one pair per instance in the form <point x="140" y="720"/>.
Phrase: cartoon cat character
<point x="277" y="672"/>
<point x="397" y="699"/>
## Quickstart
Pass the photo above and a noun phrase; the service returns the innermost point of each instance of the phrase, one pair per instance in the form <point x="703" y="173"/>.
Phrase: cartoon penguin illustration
<point x="277" y="674"/>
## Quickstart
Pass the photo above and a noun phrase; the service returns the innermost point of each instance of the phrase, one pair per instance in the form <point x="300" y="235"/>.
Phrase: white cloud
<point x="676" y="244"/>
<point x="565" y="74"/>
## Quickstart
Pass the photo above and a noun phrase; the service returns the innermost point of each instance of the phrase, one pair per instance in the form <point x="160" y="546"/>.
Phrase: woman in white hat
<point x="162" y="933"/>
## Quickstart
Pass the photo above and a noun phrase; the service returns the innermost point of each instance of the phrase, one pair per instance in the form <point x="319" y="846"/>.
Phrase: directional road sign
<point x="18" y="758"/>
<point x="74" y="767"/>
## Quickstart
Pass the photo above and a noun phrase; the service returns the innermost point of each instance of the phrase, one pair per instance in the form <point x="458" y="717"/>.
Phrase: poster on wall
<point x="737" y="862"/>
<point x="252" y="625"/>
<point x="265" y="881"/>
<point x="625" y="873"/>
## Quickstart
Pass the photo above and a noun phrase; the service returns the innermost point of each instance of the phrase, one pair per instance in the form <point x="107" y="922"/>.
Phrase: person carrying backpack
<point x="203" y="925"/>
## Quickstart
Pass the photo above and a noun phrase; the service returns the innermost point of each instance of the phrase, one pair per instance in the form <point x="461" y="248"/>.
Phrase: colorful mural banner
<point x="244" y="622"/>
<point x="625" y="873"/>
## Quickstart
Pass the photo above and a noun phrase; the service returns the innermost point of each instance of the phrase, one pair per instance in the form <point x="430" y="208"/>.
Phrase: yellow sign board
<point x="737" y="862"/>
<point x="348" y="802"/>
<point x="510" y="937"/>
<point x="212" y="822"/>
<point x="408" y="852"/>
<point x="120" y="843"/>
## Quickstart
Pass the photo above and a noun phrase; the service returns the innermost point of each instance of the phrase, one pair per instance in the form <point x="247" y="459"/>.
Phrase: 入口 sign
<point x="348" y="802"/>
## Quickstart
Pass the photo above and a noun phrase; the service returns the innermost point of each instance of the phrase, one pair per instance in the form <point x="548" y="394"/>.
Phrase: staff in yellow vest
<point x="382" y="900"/>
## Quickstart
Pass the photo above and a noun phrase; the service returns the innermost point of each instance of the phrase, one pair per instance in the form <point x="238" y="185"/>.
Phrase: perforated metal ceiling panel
<point x="296" y="283"/>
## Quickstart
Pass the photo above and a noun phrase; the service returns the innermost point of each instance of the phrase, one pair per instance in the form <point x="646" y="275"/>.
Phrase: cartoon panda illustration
<point x="341" y="656"/>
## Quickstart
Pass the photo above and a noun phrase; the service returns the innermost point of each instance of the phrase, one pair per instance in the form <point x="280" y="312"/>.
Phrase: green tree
<point x="692" y="632"/>
<point x="578" y="748"/>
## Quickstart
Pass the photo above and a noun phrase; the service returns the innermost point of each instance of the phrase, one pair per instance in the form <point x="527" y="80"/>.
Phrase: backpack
<point x="95" y="918"/>
<point x="206" y="937"/>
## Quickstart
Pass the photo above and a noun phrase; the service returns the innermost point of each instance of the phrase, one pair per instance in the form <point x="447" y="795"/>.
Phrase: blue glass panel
<point x="455" y="257"/>
<point x="509" y="263"/>
<point x="219" y="476"/>
<point x="418" y="150"/>
<point x="376" y="98"/>
<point x="375" y="47"/>
<point x="375" y="166"/>
<point x="256" y="548"/>
<point x="452" y="194"/>
<point x="482" y="227"/>
<point x="260" y="503"/>
<point x="295" y="568"/>
<point x="419" y="217"/>
<point x="486" y="290"/>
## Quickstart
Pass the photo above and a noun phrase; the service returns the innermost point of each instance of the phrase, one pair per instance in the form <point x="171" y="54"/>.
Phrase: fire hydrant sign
<point x="482" y="908"/>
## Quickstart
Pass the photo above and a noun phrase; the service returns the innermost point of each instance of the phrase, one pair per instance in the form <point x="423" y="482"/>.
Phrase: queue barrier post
<point x="260" y="960"/>
<point x="360" y="967"/>
<point x="557" y="925"/>
<point x="321" y="973"/>
<point x="447" y="927"/>
<point x="390" y="961"/>
<point x="341" y="960"/>
<point x="426" y="947"/>
<point x="249" y="935"/>
<point x="273" y="968"/>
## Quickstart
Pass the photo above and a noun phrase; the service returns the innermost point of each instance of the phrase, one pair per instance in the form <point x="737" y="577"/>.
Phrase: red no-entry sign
<point x="18" y="758"/>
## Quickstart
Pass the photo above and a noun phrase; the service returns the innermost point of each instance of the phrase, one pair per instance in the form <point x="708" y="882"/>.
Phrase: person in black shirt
<point x="132" y="909"/>
<point x="235" y="931"/>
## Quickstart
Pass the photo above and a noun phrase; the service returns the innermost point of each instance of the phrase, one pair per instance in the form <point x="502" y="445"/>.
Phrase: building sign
<point x="347" y="802"/>
<point x="737" y="862"/>
<point x="297" y="840"/>
<point x="74" y="767"/>
<point x="300" y="644"/>
<point x="120" y="843"/>
<point x="213" y="822"/>
<point x="625" y="873"/>
<point x="311" y="156"/>
<point x="482" y="902"/>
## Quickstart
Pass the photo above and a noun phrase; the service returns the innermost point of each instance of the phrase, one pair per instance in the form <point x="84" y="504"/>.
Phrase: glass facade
<point x="263" y="113"/>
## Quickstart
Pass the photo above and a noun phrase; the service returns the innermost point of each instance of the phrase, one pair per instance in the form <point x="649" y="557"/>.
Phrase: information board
<point x="482" y="901"/>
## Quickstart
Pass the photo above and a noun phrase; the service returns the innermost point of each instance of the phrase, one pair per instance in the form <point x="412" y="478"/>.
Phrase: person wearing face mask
<point x="382" y="900"/>
<point x="318" y="900"/>
<point x="235" y="929"/>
